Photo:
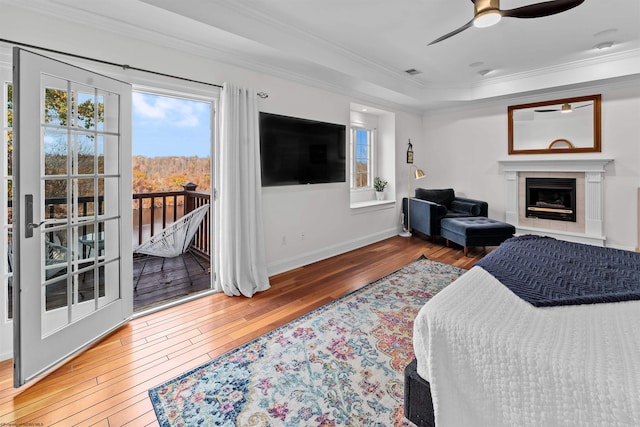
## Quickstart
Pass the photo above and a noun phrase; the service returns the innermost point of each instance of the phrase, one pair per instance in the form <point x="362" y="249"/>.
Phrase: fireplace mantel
<point x="593" y="170"/>
<point x="554" y="165"/>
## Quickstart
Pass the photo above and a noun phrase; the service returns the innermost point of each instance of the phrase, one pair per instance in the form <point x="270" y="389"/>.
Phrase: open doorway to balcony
<point x="171" y="179"/>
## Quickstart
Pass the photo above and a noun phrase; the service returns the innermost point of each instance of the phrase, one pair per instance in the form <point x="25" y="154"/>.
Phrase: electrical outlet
<point x="301" y="236"/>
<point x="284" y="240"/>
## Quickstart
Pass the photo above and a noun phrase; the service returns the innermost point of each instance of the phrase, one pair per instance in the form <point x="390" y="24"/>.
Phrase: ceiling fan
<point x="488" y="13"/>
<point x="565" y="108"/>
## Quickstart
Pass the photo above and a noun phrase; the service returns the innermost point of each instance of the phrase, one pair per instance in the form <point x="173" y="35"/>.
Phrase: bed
<point x="487" y="357"/>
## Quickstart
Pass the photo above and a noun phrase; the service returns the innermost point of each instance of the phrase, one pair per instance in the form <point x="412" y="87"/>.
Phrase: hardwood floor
<point x="107" y="385"/>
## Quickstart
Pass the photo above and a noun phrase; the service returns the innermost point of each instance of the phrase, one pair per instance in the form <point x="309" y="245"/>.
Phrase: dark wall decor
<point x="570" y="125"/>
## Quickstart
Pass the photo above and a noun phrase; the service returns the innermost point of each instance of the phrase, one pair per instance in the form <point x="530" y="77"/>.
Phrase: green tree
<point x="57" y="109"/>
<point x="177" y="180"/>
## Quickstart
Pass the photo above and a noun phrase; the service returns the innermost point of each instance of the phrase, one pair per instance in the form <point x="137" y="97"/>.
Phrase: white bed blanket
<point x="493" y="359"/>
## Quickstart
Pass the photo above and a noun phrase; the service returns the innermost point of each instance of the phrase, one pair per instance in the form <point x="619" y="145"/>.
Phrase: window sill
<point x="370" y="205"/>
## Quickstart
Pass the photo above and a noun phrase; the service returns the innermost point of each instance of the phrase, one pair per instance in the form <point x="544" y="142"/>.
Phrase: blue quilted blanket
<point x="548" y="272"/>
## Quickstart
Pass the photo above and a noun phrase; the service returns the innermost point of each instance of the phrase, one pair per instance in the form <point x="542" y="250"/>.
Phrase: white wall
<point x="462" y="148"/>
<point x="309" y="223"/>
<point x="387" y="159"/>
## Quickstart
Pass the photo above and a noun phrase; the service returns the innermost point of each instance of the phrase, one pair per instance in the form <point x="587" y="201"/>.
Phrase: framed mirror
<point x="570" y="125"/>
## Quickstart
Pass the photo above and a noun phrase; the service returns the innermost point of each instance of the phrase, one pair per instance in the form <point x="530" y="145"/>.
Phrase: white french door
<point x="72" y="210"/>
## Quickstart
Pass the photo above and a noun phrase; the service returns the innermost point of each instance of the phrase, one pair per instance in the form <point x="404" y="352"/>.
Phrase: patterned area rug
<point x="340" y="365"/>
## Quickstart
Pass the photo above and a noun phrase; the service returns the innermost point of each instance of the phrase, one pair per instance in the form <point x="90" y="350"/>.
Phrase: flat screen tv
<point x="296" y="151"/>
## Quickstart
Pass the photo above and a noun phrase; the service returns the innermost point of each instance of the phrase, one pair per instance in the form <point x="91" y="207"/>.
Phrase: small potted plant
<point x="379" y="186"/>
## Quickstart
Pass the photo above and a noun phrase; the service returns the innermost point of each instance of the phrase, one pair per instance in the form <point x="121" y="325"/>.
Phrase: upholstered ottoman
<point x="475" y="231"/>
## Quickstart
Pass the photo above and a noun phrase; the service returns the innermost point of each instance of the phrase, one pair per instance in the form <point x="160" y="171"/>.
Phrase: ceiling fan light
<point x="604" y="45"/>
<point x="487" y="18"/>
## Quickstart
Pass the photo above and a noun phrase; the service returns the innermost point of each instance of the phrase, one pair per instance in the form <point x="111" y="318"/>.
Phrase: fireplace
<point x="551" y="198"/>
<point x="589" y="174"/>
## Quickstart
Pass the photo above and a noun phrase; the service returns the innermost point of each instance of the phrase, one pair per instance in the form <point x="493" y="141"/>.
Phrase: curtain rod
<point x="262" y="95"/>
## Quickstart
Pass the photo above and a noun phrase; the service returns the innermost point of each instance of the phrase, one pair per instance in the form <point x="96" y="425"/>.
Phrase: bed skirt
<point x="418" y="406"/>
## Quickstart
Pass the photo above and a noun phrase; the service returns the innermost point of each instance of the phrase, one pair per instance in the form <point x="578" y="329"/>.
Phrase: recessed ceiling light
<point x="412" y="71"/>
<point x="364" y="110"/>
<point x="604" y="45"/>
<point x="476" y="64"/>
<point x="484" y="72"/>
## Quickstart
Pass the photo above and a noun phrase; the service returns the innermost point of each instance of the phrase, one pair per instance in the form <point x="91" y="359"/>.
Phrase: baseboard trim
<point x="328" y="252"/>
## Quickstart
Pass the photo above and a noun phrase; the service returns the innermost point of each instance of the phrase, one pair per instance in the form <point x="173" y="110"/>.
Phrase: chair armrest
<point x="425" y="216"/>
<point x="479" y="206"/>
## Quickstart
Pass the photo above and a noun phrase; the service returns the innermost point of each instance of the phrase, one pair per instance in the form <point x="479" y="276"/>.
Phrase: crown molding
<point x="250" y="11"/>
<point x="588" y="71"/>
<point x="616" y="57"/>
<point x="291" y="40"/>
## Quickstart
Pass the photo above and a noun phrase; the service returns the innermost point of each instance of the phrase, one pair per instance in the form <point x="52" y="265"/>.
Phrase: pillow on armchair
<point x="441" y="197"/>
<point x="467" y="208"/>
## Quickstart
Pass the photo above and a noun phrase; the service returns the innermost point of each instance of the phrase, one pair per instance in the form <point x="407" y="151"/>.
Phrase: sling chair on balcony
<point x="174" y="240"/>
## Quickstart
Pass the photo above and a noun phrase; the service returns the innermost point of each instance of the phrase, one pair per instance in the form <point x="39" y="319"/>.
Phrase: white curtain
<point x="239" y="248"/>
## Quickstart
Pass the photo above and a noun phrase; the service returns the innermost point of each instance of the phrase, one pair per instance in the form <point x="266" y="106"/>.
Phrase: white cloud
<point x="172" y="111"/>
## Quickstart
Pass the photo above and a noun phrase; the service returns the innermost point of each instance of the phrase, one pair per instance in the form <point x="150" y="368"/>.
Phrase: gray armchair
<point x="429" y="207"/>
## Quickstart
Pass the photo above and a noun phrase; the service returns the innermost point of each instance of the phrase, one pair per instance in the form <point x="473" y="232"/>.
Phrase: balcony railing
<point x="152" y="212"/>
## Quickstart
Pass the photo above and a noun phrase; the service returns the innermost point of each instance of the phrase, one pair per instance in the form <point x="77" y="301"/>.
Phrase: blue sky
<point x="166" y="126"/>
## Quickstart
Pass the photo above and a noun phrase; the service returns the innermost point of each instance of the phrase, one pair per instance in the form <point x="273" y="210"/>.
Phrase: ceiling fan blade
<point x="452" y="33"/>
<point x="570" y="107"/>
<point x="538" y="10"/>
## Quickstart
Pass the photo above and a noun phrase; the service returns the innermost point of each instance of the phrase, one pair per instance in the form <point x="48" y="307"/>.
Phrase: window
<point x="362" y="149"/>
<point x="372" y="148"/>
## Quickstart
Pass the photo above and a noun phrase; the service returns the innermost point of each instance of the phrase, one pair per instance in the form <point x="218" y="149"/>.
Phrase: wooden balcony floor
<point x="160" y="284"/>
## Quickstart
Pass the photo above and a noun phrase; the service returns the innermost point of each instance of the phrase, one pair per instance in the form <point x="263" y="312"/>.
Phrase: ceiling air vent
<point x="412" y="71"/>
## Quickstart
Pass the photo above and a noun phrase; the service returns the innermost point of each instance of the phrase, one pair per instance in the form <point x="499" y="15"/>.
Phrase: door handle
<point x="28" y="203"/>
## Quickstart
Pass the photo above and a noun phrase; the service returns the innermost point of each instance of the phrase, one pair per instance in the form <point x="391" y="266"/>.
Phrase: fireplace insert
<point x="551" y="198"/>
